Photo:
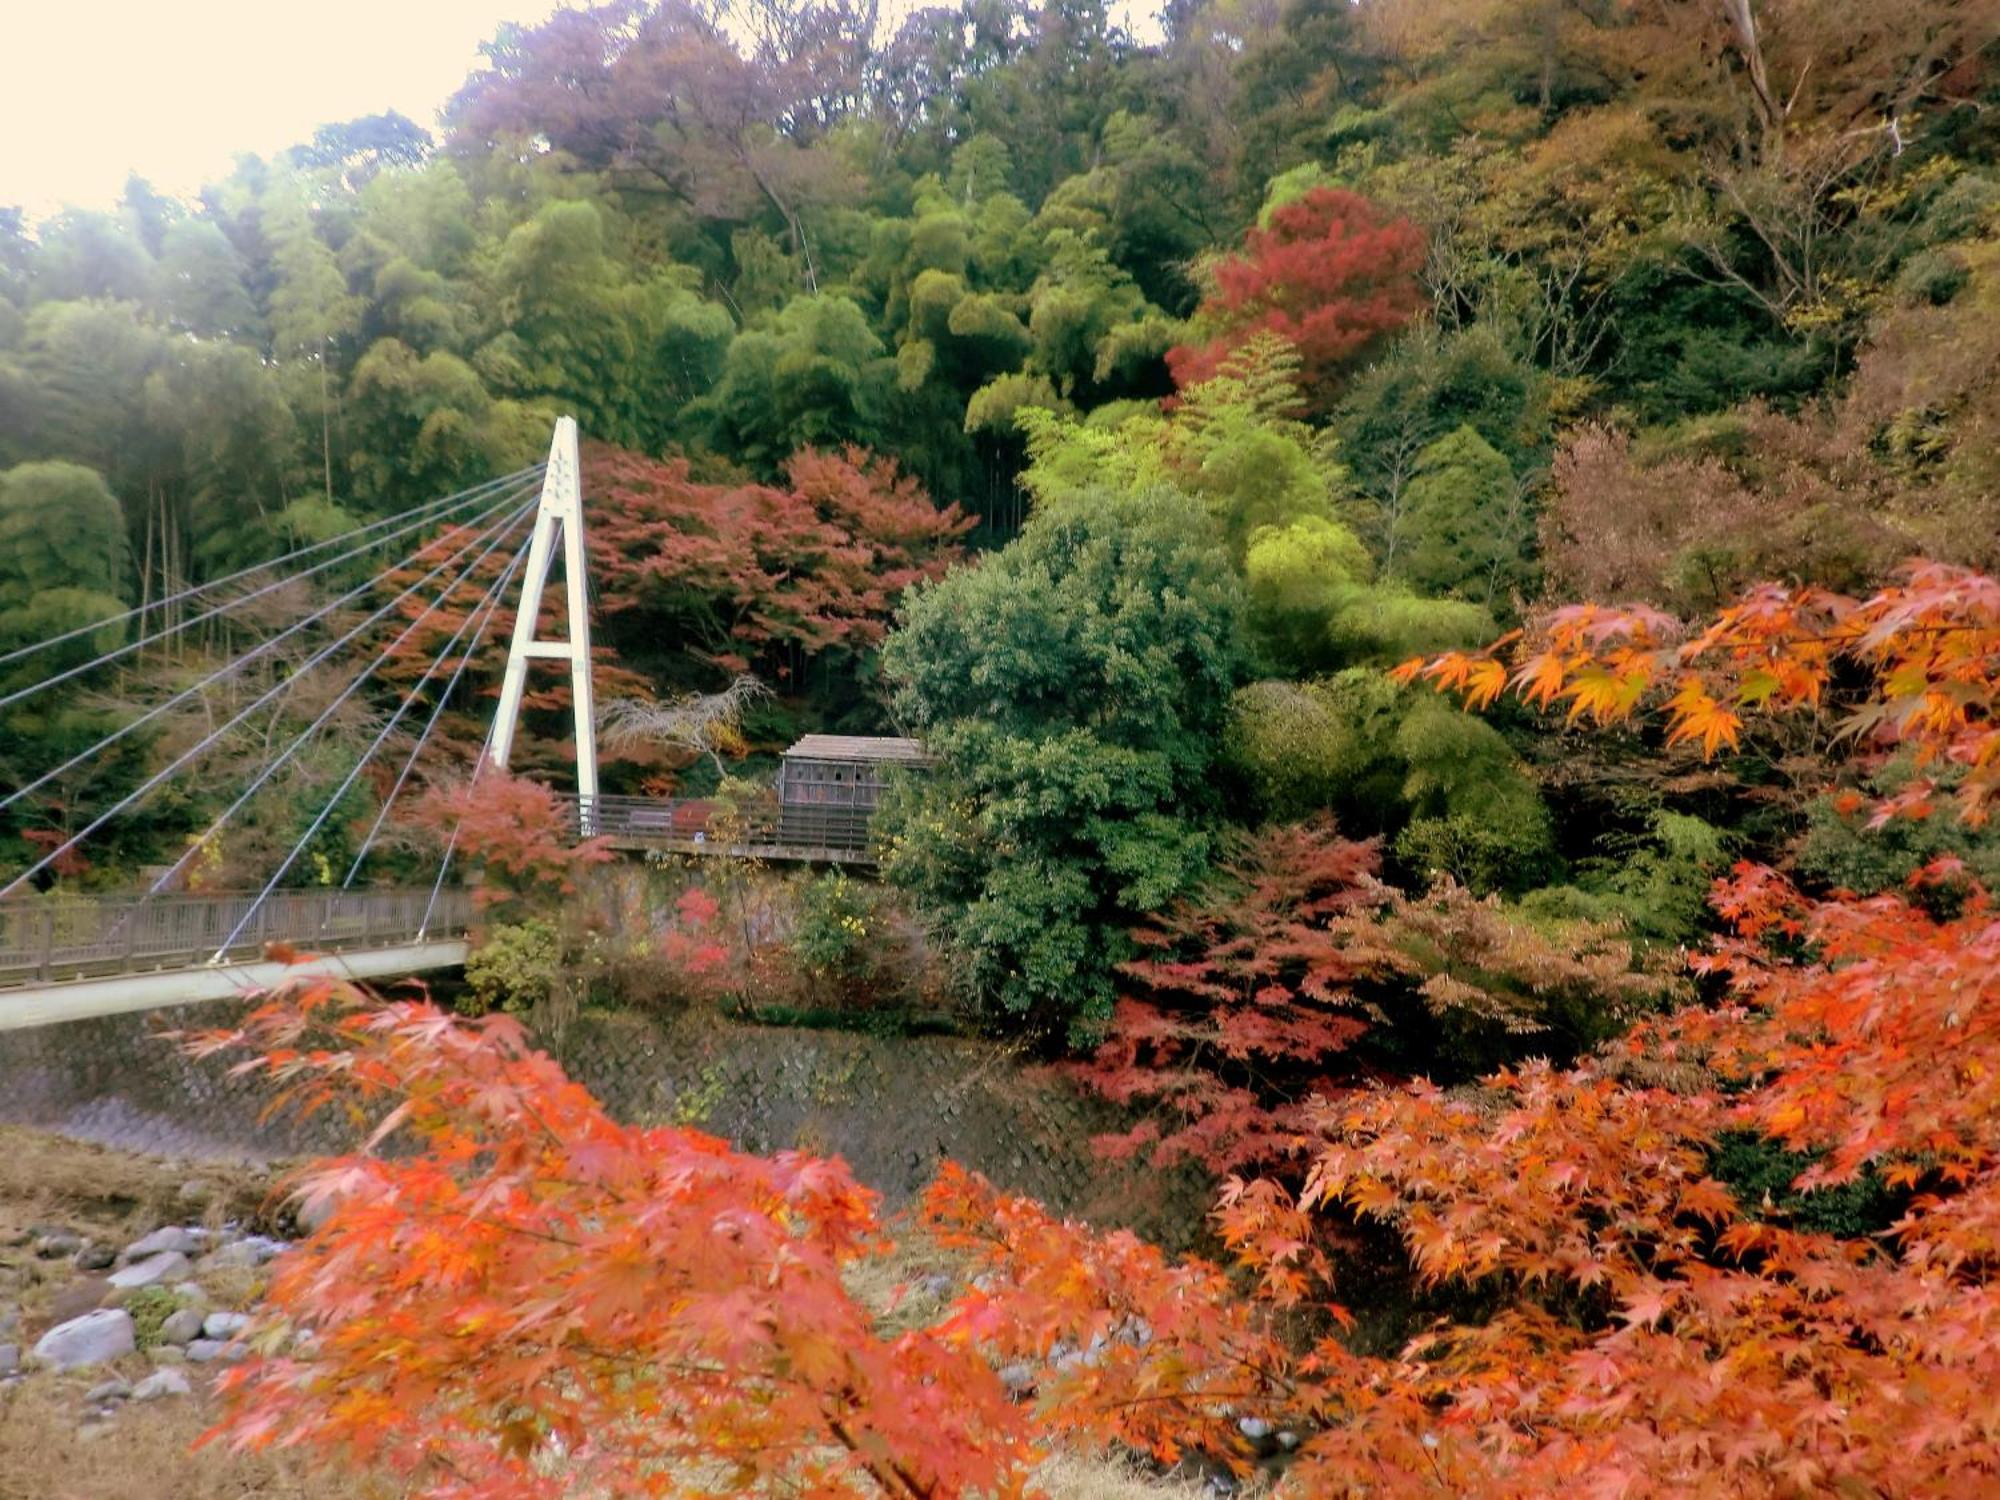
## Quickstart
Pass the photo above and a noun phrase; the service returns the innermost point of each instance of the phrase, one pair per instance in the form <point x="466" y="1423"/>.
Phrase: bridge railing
<point x="49" y="939"/>
<point x="703" y="825"/>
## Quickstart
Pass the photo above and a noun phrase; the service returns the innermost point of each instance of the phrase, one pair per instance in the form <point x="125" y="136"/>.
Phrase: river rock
<point x="249" y="1252"/>
<point x="93" y="1339"/>
<point x="1018" y="1380"/>
<point x="167" y="1382"/>
<point x="215" y="1351"/>
<point x="95" y="1258"/>
<point x="224" y="1325"/>
<point x="191" y="1293"/>
<point x="168" y="1265"/>
<point x="186" y="1241"/>
<point x="182" y="1326"/>
<point x="56" y="1245"/>
<point x="108" y="1390"/>
<point x="311" y="1214"/>
<point x="10" y="1359"/>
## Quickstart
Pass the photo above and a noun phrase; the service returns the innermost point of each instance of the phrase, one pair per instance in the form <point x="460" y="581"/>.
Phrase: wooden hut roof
<point x="866" y="749"/>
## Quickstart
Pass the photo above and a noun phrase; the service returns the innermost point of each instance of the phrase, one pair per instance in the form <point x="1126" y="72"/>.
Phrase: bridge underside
<point x="76" y="999"/>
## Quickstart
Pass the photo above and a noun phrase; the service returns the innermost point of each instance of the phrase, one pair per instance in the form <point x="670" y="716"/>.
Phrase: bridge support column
<point x="560" y="517"/>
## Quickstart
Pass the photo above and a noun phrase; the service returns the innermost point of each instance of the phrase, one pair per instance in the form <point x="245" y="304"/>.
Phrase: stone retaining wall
<point x="892" y="1107"/>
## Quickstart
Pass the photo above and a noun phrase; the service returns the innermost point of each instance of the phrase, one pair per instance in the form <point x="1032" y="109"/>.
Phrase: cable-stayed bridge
<point x="63" y="956"/>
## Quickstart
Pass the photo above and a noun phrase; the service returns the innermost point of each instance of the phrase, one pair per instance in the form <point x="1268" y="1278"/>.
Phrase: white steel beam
<point x="560" y="516"/>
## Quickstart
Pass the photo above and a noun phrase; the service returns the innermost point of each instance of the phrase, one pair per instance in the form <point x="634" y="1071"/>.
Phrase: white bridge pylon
<point x="560" y="514"/>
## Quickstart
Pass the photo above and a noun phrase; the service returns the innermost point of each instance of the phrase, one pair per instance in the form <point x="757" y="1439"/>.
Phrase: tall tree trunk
<point x="146" y="566"/>
<point x="1771" y="114"/>
<point x="325" y="424"/>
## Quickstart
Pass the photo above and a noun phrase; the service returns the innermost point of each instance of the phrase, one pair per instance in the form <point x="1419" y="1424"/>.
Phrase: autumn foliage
<point x="1332" y="273"/>
<point x="1927" y="650"/>
<point x="1299" y="974"/>
<point x="516" y="836"/>
<point x="1608" y="1314"/>
<point x="1242" y="1005"/>
<point x="525" y="1298"/>
<point x="1622" y="1322"/>
<point x="764" y="576"/>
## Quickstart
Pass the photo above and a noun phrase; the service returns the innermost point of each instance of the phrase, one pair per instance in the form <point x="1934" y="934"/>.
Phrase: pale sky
<point x="174" y="89"/>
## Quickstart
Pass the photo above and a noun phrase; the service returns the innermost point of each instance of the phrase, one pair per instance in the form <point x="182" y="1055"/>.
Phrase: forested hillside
<point x="1427" y="311"/>
<point x="1442" y="553"/>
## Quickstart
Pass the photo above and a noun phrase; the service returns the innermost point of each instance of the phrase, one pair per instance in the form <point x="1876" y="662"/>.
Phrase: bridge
<point x="64" y="955"/>
<point x="63" y="959"/>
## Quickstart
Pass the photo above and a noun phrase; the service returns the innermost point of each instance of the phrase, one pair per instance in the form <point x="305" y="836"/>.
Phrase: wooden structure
<point x="830" y="785"/>
<point x="825" y="797"/>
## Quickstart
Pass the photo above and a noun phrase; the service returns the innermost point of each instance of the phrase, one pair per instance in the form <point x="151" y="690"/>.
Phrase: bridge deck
<point x="49" y="943"/>
<point x="78" y="999"/>
<point x="701" y="826"/>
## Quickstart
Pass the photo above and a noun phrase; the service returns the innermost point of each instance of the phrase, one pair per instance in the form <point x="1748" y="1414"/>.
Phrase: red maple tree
<point x="517" y="837"/>
<point x="1332" y="272"/>
<point x="757" y="577"/>
<point x="1243" y="1003"/>
<point x="526" y="1298"/>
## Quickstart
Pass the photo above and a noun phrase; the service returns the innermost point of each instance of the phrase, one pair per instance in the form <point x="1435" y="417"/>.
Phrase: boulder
<point x="95" y="1258"/>
<point x="224" y="1325"/>
<point x="215" y="1351"/>
<point x="168" y="1265"/>
<point x="93" y="1339"/>
<point x="182" y="1326"/>
<point x="167" y="1382"/>
<point x="186" y="1241"/>
<point x="311" y="1214"/>
<point x="58" y="1244"/>
<point x="108" y="1390"/>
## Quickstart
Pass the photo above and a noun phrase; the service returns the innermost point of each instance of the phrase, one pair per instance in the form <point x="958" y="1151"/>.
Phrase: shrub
<point x="515" y="969"/>
<point x="841" y="939"/>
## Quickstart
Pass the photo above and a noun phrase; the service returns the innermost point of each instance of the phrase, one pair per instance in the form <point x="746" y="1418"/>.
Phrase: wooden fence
<point x="46" y="939"/>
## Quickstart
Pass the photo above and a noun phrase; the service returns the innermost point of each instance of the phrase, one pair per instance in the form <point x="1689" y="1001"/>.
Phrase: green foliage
<point x="1761" y="1171"/>
<point x="1464" y="525"/>
<point x="1932" y="277"/>
<point x="1073" y="688"/>
<point x="1303" y="747"/>
<point x="971" y="242"/>
<point x="1483" y="857"/>
<point x="514" y="968"/>
<point x="1386" y="760"/>
<point x="149" y="1308"/>
<point x="1653" y="883"/>
<point x="814" y="378"/>
<point x="1839" y="850"/>
<point x="841" y="939"/>
<point x="63" y="554"/>
<point x="1429" y="386"/>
